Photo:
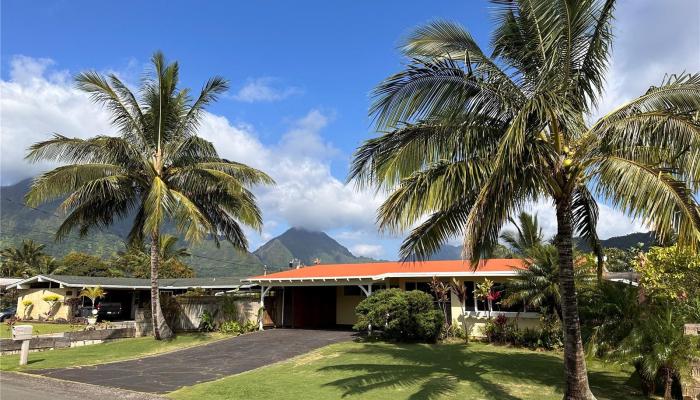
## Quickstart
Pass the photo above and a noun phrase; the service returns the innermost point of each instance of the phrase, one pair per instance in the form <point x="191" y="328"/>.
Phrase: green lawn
<point x="388" y="371"/>
<point x="41" y="328"/>
<point x="106" y="352"/>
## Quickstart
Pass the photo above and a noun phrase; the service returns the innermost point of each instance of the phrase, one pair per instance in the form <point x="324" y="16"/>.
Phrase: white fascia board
<point x="352" y="280"/>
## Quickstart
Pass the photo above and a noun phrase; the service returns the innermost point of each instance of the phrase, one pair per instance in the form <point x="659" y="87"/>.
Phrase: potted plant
<point x="93" y="293"/>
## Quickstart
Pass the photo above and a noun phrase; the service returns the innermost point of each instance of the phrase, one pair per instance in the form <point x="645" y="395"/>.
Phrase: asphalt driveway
<point x="167" y="372"/>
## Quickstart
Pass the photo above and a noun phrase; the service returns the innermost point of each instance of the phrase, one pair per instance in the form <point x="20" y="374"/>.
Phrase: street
<point x="16" y="386"/>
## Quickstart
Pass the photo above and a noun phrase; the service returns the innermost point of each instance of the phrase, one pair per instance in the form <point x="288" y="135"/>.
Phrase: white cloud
<point x="35" y="103"/>
<point x="652" y="38"/>
<point x="611" y="222"/>
<point x="307" y="194"/>
<point x="367" y="250"/>
<point x="264" y="90"/>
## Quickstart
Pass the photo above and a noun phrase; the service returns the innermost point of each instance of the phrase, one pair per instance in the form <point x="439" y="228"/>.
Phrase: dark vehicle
<point x="7" y="313"/>
<point x="107" y="310"/>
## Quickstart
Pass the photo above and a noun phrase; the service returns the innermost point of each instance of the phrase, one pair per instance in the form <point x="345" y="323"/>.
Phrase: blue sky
<point x="300" y="74"/>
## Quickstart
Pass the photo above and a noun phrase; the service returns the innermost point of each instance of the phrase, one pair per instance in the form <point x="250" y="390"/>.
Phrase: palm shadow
<point x="437" y="370"/>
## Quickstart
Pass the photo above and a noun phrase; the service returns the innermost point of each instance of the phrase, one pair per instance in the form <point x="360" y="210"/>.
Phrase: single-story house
<point x="325" y="296"/>
<point x="132" y="293"/>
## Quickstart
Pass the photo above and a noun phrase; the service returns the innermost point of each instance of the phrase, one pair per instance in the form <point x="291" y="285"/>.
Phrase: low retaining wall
<point x="184" y="313"/>
<point x="67" y="339"/>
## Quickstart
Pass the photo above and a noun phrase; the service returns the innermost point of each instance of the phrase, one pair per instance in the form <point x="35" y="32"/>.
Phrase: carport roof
<point x="384" y="270"/>
<point x="132" y="283"/>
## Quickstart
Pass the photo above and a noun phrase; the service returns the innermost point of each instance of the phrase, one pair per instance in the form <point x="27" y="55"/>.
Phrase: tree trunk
<point x="574" y="360"/>
<point x="668" y="385"/>
<point x="161" y="330"/>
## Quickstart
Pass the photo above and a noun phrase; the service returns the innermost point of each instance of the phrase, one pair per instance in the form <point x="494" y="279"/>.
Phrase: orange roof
<point x="383" y="270"/>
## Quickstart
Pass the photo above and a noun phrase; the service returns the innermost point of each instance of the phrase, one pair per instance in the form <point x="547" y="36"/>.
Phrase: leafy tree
<point x="23" y="261"/>
<point x="471" y="138"/>
<point x="609" y="311"/>
<point x="659" y="348"/>
<point x="157" y="168"/>
<point x="136" y="260"/>
<point x="619" y="260"/>
<point x="670" y="273"/>
<point x="528" y="234"/>
<point x="83" y="264"/>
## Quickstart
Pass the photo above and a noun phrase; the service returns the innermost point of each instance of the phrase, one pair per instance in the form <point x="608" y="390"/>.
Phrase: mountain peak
<point x="306" y="245"/>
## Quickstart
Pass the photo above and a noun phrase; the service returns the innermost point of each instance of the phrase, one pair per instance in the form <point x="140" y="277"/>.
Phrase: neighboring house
<point x="132" y="293"/>
<point x="325" y="296"/>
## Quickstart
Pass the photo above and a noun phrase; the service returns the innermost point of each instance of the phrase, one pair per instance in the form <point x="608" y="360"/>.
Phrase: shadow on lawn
<point x="438" y="369"/>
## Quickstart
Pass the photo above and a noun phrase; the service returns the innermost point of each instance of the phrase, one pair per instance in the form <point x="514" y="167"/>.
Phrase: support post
<point x="261" y="311"/>
<point x="368" y="292"/>
<point x="24" y="352"/>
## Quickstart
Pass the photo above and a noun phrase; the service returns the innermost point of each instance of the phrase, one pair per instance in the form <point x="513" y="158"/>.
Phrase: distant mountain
<point x="447" y="252"/>
<point x="307" y="246"/>
<point x="624" y="242"/>
<point x="18" y="222"/>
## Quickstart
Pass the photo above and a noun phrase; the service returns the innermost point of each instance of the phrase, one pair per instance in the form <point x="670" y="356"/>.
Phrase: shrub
<point x="27" y="303"/>
<point x="400" y="315"/>
<point x="49" y="298"/>
<point x="206" y="322"/>
<point x="231" y="328"/>
<point x="551" y="335"/>
<point x="531" y="338"/>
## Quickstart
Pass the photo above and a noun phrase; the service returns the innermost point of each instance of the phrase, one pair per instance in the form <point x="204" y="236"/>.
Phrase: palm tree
<point x="659" y="348"/>
<point x="24" y="260"/>
<point x="158" y="169"/>
<point x="136" y="260"/>
<point x="538" y="284"/>
<point x="468" y="139"/>
<point x="528" y="233"/>
<point x="93" y="293"/>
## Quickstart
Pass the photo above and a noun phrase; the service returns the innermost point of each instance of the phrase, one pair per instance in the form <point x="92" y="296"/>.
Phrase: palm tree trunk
<point x="574" y="360"/>
<point x="161" y="330"/>
<point x="668" y="384"/>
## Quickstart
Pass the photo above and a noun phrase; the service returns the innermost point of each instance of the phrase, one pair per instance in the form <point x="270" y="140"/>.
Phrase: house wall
<point x="345" y="307"/>
<point x="475" y="321"/>
<point x="40" y="308"/>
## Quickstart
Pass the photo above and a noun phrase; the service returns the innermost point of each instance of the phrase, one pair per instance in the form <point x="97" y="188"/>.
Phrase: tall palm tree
<point x="470" y="138"/>
<point x="158" y="169"/>
<point x="528" y="233"/>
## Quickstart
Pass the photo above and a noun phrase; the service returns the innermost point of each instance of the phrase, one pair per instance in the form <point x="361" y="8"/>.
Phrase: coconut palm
<point x="527" y="235"/>
<point x="468" y="139"/>
<point x="136" y="260"/>
<point x="24" y="260"/>
<point x="157" y="169"/>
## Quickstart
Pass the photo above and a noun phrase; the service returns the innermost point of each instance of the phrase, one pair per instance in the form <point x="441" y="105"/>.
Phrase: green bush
<point x="236" y="328"/>
<point x="206" y="322"/>
<point x="231" y="328"/>
<point x="400" y="316"/>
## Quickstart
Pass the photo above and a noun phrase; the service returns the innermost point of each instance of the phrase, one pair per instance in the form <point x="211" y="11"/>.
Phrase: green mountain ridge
<point x="19" y="222"/>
